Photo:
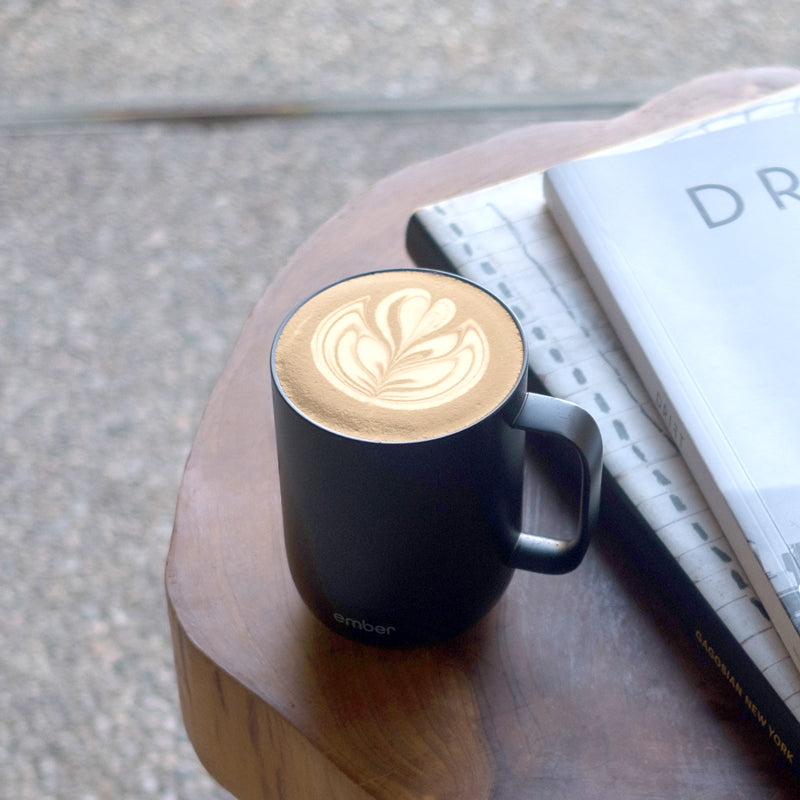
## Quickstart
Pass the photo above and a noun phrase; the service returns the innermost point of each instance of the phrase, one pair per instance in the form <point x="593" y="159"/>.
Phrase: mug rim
<point x="523" y="371"/>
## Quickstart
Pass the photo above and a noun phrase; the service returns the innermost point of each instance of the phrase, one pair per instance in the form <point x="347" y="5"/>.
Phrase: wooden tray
<point x="573" y="687"/>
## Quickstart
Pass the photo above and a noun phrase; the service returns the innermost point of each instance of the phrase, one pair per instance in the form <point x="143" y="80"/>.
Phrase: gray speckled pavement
<point x="131" y="252"/>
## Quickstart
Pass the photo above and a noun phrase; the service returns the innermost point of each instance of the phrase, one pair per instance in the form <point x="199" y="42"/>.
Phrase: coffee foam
<point x="399" y="356"/>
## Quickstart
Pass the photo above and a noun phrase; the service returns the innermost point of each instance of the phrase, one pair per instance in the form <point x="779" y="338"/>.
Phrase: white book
<point x="693" y="250"/>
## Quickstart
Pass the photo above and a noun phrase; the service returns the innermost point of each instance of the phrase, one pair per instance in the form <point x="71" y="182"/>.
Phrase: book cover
<point x="692" y="250"/>
<point x="504" y="238"/>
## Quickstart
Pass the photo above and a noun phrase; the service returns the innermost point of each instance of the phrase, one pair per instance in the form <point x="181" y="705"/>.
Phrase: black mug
<point x="401" y="407"/>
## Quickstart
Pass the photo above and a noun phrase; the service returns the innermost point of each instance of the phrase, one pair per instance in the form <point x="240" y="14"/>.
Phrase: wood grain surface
<point x="576" y="686"/>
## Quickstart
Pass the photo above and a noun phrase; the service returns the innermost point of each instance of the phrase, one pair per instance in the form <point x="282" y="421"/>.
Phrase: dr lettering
<point x="712" y="199"/>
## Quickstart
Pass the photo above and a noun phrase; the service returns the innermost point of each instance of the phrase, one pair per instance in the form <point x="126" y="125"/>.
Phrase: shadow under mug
<point x="407" y="543"/>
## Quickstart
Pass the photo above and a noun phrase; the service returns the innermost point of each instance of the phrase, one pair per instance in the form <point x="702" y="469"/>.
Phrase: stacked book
<point x="658" y="285"/>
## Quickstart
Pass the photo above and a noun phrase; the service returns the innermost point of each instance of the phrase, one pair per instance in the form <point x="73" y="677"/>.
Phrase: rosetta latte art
<point x="410" y="353"/>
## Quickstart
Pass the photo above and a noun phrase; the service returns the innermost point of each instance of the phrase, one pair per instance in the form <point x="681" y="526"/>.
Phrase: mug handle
<point x="568" y="422"/>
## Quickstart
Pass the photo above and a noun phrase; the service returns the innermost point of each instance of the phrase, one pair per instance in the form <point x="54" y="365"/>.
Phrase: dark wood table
<point x="578" y="686"/>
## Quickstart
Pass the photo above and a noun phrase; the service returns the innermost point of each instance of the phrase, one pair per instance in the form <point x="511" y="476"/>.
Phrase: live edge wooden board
<point x="577" y="686"/>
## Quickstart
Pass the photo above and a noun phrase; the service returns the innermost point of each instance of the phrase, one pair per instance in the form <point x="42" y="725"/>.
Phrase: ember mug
<point x="400" y="410"/>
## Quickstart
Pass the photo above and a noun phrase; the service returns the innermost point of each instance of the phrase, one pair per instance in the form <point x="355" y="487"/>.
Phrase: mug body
<point x="400" y="543"/>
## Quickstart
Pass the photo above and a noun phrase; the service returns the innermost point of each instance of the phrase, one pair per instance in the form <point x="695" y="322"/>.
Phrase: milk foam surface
<point x="401" y="355"/>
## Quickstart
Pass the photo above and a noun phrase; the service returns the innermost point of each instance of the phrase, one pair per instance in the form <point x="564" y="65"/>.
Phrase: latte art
<point x="399" y="356"/>
<point x="411" y="353"/>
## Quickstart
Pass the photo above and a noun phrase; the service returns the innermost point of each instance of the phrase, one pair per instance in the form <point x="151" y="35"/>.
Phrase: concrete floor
<point x="131" y="252"/>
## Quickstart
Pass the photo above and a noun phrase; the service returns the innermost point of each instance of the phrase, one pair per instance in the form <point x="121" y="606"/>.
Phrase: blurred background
<point x="159" y="161"/>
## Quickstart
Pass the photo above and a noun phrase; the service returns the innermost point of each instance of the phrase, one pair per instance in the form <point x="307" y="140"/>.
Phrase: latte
<point x="399" y="356"/>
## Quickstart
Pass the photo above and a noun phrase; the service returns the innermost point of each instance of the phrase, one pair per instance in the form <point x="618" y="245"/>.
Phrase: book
<point x="504" y="238"/>
<point x="691" y="248"/>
